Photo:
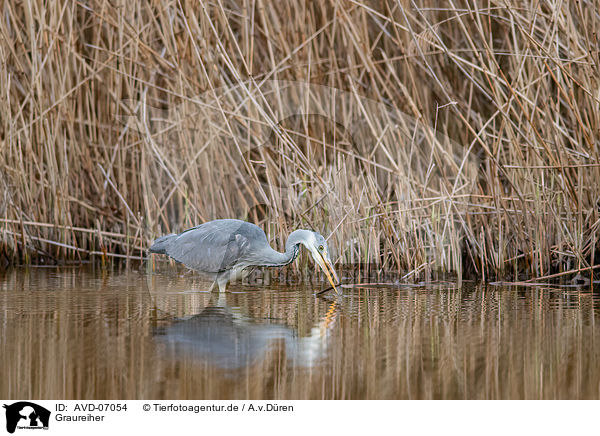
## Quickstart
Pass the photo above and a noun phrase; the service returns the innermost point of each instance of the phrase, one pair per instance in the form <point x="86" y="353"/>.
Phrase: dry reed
<point x="507" y="186"/>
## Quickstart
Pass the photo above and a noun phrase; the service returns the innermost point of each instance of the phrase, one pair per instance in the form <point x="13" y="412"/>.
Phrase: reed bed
<point x="432" y="139"/>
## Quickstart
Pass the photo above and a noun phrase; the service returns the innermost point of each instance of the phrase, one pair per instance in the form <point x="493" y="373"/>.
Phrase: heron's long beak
<point x="327" y="268"/>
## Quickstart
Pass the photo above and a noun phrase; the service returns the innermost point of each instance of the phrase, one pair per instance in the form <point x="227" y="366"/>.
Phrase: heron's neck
<point x="290" y="255"/>
<point x="272" y="257"/>
<point x="292" y="248"/>
<point x="297" y="237"/>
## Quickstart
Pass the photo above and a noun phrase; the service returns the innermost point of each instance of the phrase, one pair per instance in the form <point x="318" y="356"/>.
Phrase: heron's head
<point x="317" y="246"/>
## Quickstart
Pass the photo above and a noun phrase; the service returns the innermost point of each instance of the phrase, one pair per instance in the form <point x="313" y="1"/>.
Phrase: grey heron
<point x="222" y="249"/>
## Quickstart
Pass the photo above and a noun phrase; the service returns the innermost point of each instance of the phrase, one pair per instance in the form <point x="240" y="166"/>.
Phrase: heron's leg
<point x="222" y="284"/>
<point x="221" y="301"/>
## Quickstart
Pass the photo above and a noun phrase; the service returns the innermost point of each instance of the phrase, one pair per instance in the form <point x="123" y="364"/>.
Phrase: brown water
<point x="84" y="334"/>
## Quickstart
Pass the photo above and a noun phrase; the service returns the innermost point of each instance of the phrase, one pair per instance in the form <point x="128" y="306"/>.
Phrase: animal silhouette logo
<point x="24" y="414"/>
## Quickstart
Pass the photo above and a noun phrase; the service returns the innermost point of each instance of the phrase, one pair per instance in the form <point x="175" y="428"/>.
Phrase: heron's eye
<point x="321" y="248"/>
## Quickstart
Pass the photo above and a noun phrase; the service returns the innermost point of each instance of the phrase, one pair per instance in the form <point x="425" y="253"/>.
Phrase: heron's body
<point x="223" y="250"/>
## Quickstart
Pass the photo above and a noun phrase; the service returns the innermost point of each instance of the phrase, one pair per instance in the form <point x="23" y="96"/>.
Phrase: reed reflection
<point x="106" y="334"/>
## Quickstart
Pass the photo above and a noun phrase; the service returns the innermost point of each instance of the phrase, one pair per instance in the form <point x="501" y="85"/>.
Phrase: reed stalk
<point x="487" y="166"/>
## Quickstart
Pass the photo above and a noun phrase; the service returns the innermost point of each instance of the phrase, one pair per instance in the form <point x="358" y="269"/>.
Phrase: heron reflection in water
<point x="225" y="250"/>
<point x="228" y="338"/>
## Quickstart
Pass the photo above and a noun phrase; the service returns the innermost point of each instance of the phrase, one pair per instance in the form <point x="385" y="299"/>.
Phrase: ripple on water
<point x="85" y="333"/>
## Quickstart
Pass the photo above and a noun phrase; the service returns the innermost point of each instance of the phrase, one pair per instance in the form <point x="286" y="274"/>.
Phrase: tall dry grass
<point x="495" y="173"/>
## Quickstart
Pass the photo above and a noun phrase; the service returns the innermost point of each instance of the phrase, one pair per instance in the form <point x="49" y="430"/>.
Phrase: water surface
<point x="93" y="334"/>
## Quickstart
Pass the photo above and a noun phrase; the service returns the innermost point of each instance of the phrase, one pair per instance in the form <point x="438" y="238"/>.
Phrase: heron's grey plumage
<point x="161" y="244"/>
<point x="222" y="249"/>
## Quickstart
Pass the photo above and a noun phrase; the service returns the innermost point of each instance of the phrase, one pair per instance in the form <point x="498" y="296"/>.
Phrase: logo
<point x="26" y="415"/>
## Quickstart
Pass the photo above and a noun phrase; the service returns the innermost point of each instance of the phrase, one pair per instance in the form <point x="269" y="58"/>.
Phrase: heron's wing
<point x="212" y="247"/>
